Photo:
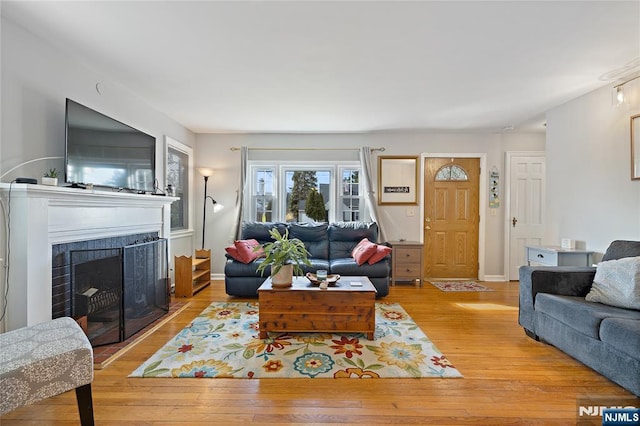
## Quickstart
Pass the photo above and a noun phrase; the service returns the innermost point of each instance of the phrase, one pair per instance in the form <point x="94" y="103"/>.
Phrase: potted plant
<point x="50" y="177"/>
<point x="284" y="256"/>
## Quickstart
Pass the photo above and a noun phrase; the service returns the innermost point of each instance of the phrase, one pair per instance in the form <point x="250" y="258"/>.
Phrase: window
<point x="263" y="197"/>
<point x="279" y="192"/>
<point x="349" y="195"/>
<point x="451" y="172"/>
<point x="177" y="175"/>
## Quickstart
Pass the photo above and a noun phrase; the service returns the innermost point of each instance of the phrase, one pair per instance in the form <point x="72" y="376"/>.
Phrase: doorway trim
<point x="483" y="187"/>
<point x="508" y="155"/>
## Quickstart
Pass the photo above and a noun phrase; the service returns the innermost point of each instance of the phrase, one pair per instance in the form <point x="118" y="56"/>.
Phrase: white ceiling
<point x="359" y="66"/>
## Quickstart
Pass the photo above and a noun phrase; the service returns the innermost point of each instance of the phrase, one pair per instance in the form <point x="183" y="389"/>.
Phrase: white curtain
<point x="244" y="156"/>
<point x="369" y="191"/>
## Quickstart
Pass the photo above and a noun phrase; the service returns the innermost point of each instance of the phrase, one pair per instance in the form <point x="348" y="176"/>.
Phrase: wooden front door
<point x="451" y="217"/>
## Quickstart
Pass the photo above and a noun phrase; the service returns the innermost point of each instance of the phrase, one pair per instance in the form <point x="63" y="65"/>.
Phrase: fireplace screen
<point x="120" y="290"/>
<point x="96" y="280"/>
<point x="146" y="285"/>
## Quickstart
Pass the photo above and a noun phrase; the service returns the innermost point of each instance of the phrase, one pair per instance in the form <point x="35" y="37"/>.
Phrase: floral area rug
<point x="460" y="286"/>
<point x="223" y="342"/>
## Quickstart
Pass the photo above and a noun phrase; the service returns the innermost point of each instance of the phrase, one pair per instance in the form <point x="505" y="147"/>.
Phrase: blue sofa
<point x="553" y="309"/>
<point x="329" y="246"/>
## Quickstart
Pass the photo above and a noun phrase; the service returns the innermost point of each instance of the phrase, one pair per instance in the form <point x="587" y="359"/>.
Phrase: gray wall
<point x="36" y="79"/>
<point x="590" y="195"/>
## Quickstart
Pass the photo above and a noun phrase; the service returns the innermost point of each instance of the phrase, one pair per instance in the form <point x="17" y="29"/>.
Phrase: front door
<point x="451" y="217"/>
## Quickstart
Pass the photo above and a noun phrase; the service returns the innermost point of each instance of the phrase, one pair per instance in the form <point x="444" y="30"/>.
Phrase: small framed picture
<point x="397" y="180"/>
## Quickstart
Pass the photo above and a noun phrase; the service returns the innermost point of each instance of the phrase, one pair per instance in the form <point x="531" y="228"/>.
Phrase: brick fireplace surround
<point x="44" y="216"/>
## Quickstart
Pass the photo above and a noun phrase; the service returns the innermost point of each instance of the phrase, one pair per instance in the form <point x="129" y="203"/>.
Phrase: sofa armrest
<point x="561" y="280"/>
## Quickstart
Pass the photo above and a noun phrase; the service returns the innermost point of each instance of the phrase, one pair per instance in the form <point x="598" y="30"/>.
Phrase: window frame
<point x="280" y="168"/>
<point x="175" y="145"/>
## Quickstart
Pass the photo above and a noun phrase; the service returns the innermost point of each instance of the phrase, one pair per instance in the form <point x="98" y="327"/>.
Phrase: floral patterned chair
<point x="45" y="360"/>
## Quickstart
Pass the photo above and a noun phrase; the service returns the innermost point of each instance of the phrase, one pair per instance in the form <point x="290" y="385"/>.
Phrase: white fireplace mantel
<point x="41" y="216"/>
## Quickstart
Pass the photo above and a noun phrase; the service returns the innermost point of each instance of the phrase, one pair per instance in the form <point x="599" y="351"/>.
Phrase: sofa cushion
<point x="617" y="283"/>
<point x="316" y="264"/>
<point x="260" y="230"/>
<point x="314" y="236"/>
<point x="348" y="266"/>
<point x="579" y="314"/>
<point x="622" y="334"/>
<point x="620" y="248"/>
<point x="343" y="237"/>
<point x="363" y="251"/>
<point x="239" y="269"/>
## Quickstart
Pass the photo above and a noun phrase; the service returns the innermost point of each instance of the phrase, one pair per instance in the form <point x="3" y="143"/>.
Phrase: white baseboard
<point x="495" y="278"/>
<point x="219" y="277"/>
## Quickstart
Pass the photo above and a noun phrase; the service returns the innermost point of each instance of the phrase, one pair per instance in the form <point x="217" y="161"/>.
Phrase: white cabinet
<point x="557" y="256"/>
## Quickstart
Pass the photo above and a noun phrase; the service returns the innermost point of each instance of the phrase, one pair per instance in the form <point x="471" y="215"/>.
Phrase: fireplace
<point x="119" y="290"/>
<point x="45" y="217"/>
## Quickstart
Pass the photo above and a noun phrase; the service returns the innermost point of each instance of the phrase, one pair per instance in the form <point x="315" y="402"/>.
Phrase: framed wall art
<point x="397" y="180"/>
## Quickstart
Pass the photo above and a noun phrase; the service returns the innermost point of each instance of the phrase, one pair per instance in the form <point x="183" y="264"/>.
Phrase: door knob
<point x="514" y="221"/>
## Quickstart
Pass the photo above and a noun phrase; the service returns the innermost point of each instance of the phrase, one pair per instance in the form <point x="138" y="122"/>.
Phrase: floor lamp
<point x="206" y="172"/>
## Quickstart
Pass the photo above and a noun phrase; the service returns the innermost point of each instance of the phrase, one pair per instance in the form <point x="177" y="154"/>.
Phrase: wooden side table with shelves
<point x="406" y="261"/>
<point x="192" y="273"/>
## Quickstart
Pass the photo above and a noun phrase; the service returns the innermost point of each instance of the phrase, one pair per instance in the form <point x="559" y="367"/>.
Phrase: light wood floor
<point x="508" y="378"/>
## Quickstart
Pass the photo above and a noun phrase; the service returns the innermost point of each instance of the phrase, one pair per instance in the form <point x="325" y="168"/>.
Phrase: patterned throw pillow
<point x="363" y="251"/>
<point x="617" y="283"/>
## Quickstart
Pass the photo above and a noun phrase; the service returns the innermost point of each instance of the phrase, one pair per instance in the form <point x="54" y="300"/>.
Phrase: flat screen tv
<point x="107" y="153"/>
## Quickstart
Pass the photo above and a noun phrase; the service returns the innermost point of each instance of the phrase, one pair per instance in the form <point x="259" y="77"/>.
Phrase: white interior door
<point x="526" y="205"/>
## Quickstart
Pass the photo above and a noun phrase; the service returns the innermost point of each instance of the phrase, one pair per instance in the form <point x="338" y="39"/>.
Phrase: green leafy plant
<point x="52" y="173"/>
<point x="283" y="251"/>
<point x="314" y="207"/>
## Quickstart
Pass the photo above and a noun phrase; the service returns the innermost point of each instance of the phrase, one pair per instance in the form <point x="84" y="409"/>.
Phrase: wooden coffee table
<point x="343" y="308"/>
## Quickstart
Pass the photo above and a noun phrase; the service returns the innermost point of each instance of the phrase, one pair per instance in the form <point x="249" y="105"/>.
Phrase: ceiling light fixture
<point x="619" y="95"/>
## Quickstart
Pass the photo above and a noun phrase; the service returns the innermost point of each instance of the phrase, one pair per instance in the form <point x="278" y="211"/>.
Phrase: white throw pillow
<point x="617" y="283"/>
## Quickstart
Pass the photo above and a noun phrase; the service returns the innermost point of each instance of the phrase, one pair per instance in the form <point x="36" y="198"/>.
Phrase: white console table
<point x="557" y="256"/>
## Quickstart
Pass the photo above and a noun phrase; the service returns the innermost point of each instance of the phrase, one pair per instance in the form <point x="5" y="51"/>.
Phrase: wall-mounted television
<point x="107" y="153"/>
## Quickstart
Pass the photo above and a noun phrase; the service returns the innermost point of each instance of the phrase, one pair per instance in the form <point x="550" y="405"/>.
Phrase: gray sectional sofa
<point x="329" y="245"/>
<point x="553" y="309"/>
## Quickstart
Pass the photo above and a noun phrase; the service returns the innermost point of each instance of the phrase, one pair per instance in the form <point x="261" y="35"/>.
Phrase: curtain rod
<point x="234" y="148"/>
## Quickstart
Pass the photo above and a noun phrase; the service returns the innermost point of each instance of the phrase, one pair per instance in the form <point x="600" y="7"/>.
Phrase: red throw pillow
<point x="363" y="251"/>
<point x="248" y="250"/>
<point x="381" y="253"/>
<point x="233" y="252"/>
